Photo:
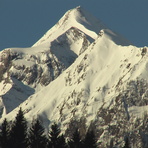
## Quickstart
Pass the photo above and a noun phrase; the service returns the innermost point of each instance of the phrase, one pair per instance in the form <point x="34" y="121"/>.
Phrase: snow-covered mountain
<point x="79" y="72"/>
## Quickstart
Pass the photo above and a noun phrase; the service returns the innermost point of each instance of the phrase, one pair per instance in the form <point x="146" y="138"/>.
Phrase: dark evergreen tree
<point x="127" y="144"/>
<point x="90" y="140"/>
<point x="18" y="131"/>
<point x="54" y="136"/>
<point x="36" y="137"/>
<point x="62" y="142"/>
<point x="111" y="143"/>
<point x="75" y="141"/>
<point x="4" y="135"/>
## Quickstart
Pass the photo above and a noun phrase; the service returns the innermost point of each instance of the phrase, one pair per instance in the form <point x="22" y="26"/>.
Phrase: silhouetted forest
<point x="18" y="134"/>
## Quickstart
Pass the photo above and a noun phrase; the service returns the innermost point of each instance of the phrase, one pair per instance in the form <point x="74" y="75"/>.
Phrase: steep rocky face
<point x="5" y="63"/>
<point x="114" y="120"/>
<point x="46" y="65"/>
<point x="37" y="66"/>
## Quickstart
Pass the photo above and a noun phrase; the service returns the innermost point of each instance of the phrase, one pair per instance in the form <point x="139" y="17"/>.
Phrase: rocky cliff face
<point x="36" y="67"/>
<point x="46" y="64"/>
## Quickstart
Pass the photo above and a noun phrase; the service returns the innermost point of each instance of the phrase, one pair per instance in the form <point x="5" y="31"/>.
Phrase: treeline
<point x="17" y="134"/>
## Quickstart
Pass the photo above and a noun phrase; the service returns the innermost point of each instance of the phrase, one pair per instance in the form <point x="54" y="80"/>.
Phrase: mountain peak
<point x="83" y="17"/>
<point x="78" y="7"/>
<point x="84" y="21"/>
<point x="78" y="18"/>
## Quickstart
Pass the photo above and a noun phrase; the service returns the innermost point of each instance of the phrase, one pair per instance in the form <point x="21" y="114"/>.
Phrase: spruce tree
<point x="4" y="134"/>
<point x="36" y="137"/>
<point x="18" y="131"/>
<point x="127" y="144"/>
<point x="75" y="141"/>
<point x="90" y="140"/>
<point x="54" y="136"/>
<point x="62" y="142"/>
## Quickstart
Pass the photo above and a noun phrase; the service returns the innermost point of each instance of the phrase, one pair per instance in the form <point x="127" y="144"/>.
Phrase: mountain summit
<point x="82" y="20"/>
<point x="80" y="72"/>
<point x="75" y="18"/>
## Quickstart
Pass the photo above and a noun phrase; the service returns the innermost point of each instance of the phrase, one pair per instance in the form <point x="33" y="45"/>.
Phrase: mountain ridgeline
<point x="80" y="74"/>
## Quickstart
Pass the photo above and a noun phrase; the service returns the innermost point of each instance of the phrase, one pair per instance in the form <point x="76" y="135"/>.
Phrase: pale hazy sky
<point x="23" y="22"/>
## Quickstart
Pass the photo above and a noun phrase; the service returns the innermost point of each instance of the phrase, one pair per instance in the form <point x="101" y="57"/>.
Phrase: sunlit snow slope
<point x="96" y="77"/>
